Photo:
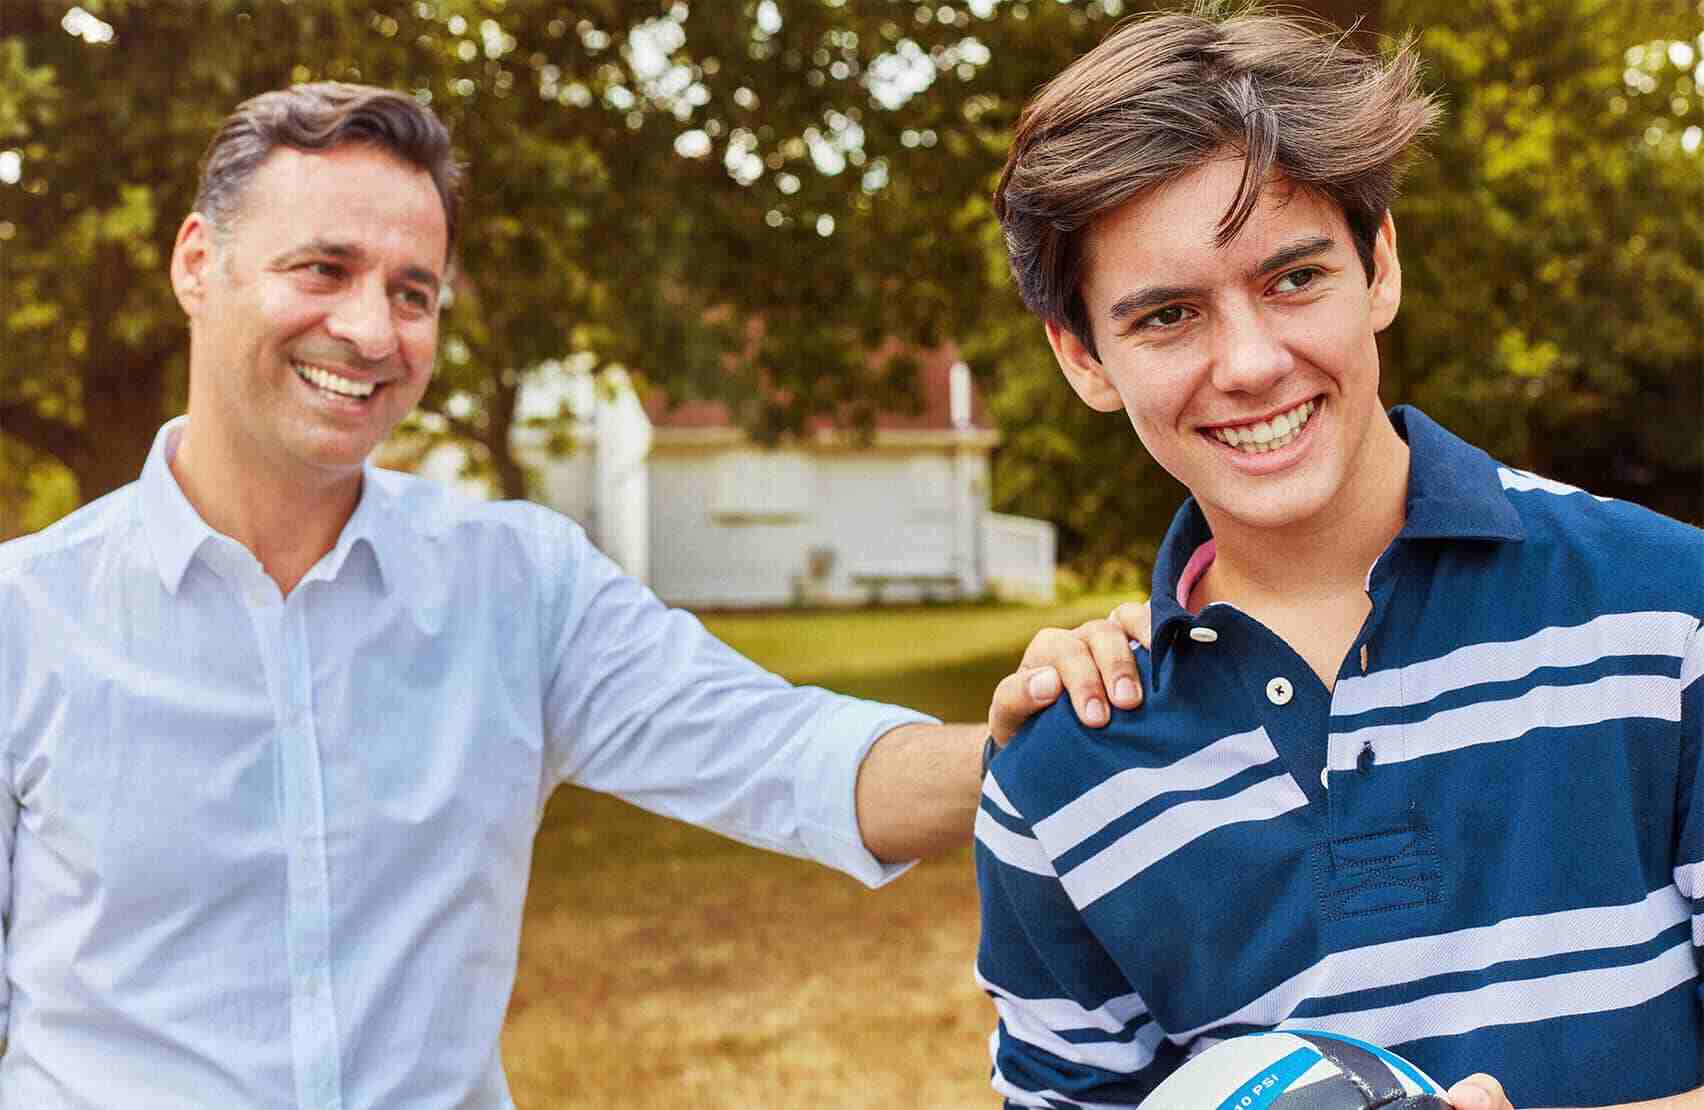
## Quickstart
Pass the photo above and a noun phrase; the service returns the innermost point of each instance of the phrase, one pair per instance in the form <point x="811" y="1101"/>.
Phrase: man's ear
<point x="193" y="257"/>
<point x="1386" y="290"/>
<point x="1082" y="369"/>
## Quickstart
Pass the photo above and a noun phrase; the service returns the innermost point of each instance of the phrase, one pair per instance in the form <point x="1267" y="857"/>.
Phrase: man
<point x="277" y="728"/>
<point x="1419" y="758"/>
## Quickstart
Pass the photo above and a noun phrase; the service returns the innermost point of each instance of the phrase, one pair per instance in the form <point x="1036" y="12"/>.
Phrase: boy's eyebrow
<point x="331" y="248"/>
<point x="1153" y="296"/>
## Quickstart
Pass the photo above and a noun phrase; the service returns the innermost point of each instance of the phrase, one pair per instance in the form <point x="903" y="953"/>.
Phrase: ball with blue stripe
<point x="1298" y="1069"/>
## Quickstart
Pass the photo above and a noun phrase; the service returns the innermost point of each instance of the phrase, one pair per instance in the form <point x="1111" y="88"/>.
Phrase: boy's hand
<point x="1086" y="661"/>
<point x="1479" y="1092"/>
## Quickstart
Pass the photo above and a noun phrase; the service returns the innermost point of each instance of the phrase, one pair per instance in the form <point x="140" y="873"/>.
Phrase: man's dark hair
<point x="321" y="116"/>
<point x="1163" y="95"/>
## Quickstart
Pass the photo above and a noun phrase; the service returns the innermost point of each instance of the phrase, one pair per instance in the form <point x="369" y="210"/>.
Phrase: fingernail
<point x="1124" y="690"/>
<point x="1044" y="684"/>
<point x="1095" y="712"/>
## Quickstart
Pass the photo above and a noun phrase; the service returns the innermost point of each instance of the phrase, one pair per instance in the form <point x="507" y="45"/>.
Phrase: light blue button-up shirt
<point x="266" y="851"/>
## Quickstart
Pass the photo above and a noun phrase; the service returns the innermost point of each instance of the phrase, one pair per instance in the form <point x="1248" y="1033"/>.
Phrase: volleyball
<point x="1297" y="1069"/>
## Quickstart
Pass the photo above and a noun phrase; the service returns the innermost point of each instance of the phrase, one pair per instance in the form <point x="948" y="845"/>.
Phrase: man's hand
<point x="1479" y="1092"/>
<point x="1086" y="661"/>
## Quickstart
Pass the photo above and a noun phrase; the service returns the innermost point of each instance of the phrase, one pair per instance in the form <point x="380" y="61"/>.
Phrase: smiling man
<point x="277" y="728"/>
<point x="1420" y="757"/>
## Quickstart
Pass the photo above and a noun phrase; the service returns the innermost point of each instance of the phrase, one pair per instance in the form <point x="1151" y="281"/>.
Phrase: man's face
<point x="1249" y="371"/>
<point x="314" y="319"/>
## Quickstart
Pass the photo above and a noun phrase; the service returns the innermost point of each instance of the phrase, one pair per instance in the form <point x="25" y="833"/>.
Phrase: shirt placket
<point x="313" y="1019"/>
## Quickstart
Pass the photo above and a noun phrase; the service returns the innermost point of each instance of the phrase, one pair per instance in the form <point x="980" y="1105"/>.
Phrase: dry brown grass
<point x="662" y="966"/>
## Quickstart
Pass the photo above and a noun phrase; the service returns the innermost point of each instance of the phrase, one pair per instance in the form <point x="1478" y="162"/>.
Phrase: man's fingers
<point x="1019" y="697"/>
<point x="1109" y="646"/>
<point x="1479" y="1092"/>
<point x="1136" y="618"/>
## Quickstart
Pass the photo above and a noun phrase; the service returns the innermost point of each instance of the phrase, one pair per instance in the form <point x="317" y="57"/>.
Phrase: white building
<point x="681" y="498"/>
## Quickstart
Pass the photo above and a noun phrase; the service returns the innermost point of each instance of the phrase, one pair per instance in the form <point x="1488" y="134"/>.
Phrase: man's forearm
<point x="918" y="788"/>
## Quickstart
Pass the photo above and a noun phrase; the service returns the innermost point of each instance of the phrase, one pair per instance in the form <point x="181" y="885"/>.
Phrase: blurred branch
<point x="52" y="437"/>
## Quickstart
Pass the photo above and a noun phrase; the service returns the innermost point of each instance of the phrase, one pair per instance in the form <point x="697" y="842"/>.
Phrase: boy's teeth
<point x="1267" y="435"/>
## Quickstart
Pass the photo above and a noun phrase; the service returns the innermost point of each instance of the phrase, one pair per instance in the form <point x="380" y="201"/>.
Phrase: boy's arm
<point x="1072" y="1031"/>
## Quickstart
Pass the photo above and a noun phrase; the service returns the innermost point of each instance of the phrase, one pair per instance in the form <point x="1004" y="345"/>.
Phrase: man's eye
<point x="1296" y="279"/>
<point x="329" y="270"/>
<point x="417" y="299"/>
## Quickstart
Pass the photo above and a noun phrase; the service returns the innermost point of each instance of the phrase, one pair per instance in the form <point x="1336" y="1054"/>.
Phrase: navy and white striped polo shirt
<point x="1483" y="849"/>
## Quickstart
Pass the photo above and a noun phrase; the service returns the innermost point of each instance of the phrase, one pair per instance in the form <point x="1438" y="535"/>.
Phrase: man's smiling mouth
<point x="335" y="383"/>
<point x="1267" y="435"/>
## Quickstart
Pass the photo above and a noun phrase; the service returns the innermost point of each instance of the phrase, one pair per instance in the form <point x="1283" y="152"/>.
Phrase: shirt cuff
<point x="828" y="783"/>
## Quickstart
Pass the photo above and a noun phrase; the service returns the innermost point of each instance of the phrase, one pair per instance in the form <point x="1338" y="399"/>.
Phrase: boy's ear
<point x="1082" y="369"/>
<point x="1386" y="290"/>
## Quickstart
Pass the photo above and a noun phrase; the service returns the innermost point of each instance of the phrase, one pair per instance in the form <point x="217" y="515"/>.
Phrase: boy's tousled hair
<point x="1164" y="94"/>
<point x="322" y="116"/>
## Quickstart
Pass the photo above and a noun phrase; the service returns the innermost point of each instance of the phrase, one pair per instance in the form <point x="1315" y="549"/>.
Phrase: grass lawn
<point x="662" y="966"/>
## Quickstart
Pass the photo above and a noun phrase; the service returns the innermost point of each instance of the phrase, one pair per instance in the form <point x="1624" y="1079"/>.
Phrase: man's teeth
<point x="1267" y="435"/>
<point x="333" y="383"/>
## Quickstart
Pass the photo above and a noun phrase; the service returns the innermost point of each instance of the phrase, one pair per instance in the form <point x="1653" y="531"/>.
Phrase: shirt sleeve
<point x="1689" y="859"/>
<point x="1071" y="1031"/>
<point x="641" y="701"/>
<point x="8" y="837"/>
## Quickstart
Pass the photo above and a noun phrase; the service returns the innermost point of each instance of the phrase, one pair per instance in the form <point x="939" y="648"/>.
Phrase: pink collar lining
<point x="1192" y="572"/>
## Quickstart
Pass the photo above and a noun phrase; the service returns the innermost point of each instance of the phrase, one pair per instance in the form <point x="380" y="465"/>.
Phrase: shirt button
<point x="1202" y="634"/>
<point x="1279" y="691"/>
<point x="1325" y="776"/>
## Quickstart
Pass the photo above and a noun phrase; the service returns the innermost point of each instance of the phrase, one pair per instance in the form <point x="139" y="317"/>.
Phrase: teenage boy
<point x="1418" y="758"/>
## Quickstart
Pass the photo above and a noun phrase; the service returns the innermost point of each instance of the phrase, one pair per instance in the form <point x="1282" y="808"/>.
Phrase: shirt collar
<point x="175" y="531"/>
<point x="1454" y="493"/>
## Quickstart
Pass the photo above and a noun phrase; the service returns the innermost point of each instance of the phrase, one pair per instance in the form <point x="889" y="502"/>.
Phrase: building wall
<point x="739" y="527"/>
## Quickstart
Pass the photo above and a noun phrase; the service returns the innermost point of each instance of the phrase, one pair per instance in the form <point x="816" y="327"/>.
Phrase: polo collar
<point x="175" y="531"/>
<point x="1454" y="493"/>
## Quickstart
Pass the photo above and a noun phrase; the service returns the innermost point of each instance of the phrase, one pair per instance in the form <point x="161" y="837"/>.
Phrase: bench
<point x="927" y="584"/>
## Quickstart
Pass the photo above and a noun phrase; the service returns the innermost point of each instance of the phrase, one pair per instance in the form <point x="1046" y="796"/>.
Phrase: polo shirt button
<point x="1201" y="634"/>
<point x="1325" y="776"/>
<point x="1279" y="691"/>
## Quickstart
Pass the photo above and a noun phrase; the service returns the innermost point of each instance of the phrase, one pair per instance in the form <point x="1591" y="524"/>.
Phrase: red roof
<point x="934" y="373"/>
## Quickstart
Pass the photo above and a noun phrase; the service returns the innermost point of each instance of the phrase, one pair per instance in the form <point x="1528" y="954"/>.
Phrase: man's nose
<point x="1252" y="355"/>
<point x="363" y="320"/>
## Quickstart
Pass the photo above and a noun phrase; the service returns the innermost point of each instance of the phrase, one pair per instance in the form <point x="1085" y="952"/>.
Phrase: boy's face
<point x="1249" y="371"/>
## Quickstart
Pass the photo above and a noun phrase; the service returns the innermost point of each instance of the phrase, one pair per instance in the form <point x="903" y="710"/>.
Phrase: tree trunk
<point x="499" y="422"/>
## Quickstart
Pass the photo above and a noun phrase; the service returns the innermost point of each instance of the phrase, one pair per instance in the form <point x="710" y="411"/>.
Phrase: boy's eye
<point x="1296" y="279"/>
<point x="1166" y="317"/>
<point x="325" y="269"/>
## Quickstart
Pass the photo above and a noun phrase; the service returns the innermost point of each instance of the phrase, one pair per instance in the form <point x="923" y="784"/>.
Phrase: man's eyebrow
<point x="349" y="252"/>
<point x="1140" y="300"/>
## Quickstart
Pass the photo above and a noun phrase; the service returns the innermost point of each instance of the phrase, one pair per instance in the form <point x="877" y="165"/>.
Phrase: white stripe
<point x="1570" y="994"/>
<point x="1647" y="633"/>
<point x="1153" y="840"/>
<point x="1692" y="666"/>
<point x="1040" y="1021"/>
<point x="991" y="790"/>
<point x="1608" y="699"/>
<point x="1526" y="482"/>
<point x="1114" y="1056"/>
<point x="1690" y="879"/>
<point x="1095" y="809"/>
<point x="1064" y="1013"/>
<point x="1518" y="938"/>
<point x="1010" y="848"/>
